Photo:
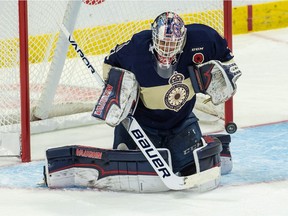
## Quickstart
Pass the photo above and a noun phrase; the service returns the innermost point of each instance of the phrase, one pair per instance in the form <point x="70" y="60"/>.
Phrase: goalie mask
<point x="168" y="38"/>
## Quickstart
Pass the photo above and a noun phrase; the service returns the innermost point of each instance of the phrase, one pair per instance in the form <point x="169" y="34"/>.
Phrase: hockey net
<point x="62" y="91"/>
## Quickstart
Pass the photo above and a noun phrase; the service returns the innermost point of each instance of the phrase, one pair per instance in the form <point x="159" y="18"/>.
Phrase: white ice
<point x="260" y="99"/>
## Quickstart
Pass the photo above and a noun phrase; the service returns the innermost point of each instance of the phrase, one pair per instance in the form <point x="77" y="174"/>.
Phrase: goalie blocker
<point x="121" y="170"/>
<point x="119" y="97"/>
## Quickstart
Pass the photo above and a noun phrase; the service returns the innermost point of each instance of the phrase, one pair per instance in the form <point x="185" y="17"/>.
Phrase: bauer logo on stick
<point x="149" y="151"/>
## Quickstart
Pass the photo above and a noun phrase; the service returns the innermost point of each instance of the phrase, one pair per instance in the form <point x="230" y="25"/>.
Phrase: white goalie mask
<point x="168" y="37"/>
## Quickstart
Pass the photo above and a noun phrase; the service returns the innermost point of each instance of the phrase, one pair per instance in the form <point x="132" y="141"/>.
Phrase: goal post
<point x="24" y="82"/>
<point x="227" y="9"/>
<point x="46" y="86"/>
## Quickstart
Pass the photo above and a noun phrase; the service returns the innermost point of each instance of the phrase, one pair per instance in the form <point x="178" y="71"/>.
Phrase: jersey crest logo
<point x="178" y="93"/>
<point x="198" y="58"/>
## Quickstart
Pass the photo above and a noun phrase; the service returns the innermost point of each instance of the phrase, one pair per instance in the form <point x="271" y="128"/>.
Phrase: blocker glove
<point x="118" y="98"/>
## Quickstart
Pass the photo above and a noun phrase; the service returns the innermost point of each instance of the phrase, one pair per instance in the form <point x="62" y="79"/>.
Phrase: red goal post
<point x="24" y="83"/>
<point x="39" y="68"/>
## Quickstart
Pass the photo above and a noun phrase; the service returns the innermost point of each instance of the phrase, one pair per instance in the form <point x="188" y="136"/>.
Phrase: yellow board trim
<point x="93" y="41"/>
<point x="271" y="15"/>
<point x="265" y="16"/>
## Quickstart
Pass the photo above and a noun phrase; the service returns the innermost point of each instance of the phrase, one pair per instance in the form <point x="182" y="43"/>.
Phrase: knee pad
<point x="206" y="156"/>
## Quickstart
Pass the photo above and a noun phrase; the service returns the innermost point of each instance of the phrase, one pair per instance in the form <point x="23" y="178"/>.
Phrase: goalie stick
<point x="164" y="171"/>
<point x="160" y="166"/>
<point x="82" y="55"/>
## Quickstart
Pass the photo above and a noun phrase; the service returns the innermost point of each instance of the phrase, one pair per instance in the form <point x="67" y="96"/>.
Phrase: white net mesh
<point x="97" y="30"/>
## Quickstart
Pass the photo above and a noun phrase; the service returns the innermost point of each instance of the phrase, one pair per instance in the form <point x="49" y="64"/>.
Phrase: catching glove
<point x="216" y="79"/>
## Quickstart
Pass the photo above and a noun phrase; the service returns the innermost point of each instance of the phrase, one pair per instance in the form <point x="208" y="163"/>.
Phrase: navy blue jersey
<point x="165" y="103"/>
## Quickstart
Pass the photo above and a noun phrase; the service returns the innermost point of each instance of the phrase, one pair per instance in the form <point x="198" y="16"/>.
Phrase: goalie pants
<point x="181" y="141"/>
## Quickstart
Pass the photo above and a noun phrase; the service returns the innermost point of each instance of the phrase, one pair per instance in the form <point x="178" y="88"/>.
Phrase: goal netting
<point x="62" y="91"/>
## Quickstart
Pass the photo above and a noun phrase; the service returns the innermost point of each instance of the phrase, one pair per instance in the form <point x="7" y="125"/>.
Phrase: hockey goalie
<point x="151" y="82"/>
